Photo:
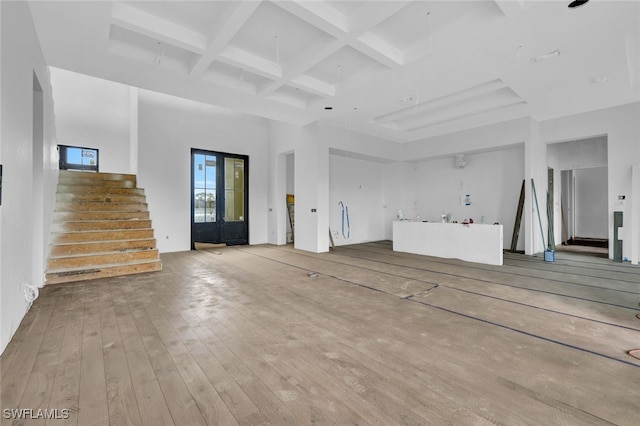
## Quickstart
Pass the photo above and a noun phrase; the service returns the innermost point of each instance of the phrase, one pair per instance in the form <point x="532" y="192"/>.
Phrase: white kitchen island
<point x="474" y="242"/>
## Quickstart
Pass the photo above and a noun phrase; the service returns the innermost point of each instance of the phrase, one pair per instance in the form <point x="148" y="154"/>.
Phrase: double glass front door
<point x="219" y="198"/>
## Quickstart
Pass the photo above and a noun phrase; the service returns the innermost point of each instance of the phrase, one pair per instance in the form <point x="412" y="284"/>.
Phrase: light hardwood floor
<point x="244" y="335"/>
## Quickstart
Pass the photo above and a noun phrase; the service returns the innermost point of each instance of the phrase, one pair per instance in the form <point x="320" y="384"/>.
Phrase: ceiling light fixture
<point x="599" y="80"/>
<point x="577" y="3"/>
<point x="546" y="56"/>
<point x="328" y="108"/>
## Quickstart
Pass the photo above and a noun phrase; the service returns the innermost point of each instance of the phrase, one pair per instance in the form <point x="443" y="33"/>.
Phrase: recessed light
<point x="328" y="108"/>
<point x="599" y="80"/>
<point x="577" y="3"/>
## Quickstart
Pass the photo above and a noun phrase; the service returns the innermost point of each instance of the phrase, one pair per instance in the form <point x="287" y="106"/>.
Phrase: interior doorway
<point x="580" y="194"/>
<point x="219" y="198"/>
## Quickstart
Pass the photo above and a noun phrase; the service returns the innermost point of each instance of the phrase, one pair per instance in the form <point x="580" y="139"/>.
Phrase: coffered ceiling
<point x="401" y="70"/>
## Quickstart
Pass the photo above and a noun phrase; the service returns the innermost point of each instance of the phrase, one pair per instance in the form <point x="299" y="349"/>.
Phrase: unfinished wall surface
<point x="591" y="203"/>
<point x="491" y="179"/>
<point x="358" y="186"/>
<point x="622" y="129"/>
<point x="168" y="128"/>
<point x="27" y="162"/>
<point x="568" y="157"/>
<point x="94" y="113"/>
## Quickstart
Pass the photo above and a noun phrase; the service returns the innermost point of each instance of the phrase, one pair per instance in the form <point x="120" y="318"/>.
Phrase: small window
<point x="78" y="158"/>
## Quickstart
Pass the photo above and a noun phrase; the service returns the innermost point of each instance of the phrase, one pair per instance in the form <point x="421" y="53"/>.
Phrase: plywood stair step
<point x="105" y="197"/>
<point x="103" y="271"/>
<point x="97" y="225"/>
<point x="57" y="263"/>
<point x="72" y="216"/>
<point x="101" y="228"/>
<point x="97" y="189"/>
<point x="71" y="249"/>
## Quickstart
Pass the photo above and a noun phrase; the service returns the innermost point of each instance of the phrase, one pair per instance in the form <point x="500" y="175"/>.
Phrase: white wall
<point x="591" y="203"/>
<point x="492" y="179"/>
<point x="572" y="156"/>
<point x="622" y="128"/>
<point x="578" y="154"/>
<point x="168" y="128"/>
<point x="399" y="193"/>
<point x="358" y="184"/>
<point x="20" y="259"/>
<point x="95" y="113"/>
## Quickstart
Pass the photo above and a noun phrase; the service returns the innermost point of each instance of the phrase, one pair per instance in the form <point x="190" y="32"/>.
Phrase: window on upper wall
<point x="78" y="158"/>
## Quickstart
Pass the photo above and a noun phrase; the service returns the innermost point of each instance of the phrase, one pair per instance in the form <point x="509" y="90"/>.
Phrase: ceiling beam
<point x="248" y="61"/>
<point x="377" y="48"/>
<point x="233" y="18"/>
<point x="313" y="85"/>
<point x="319" y="14"/>
<point x="311" y="56"/>
<point x="442" y="102"/>
<point x="371" y="13"/>
<point x="152" y="26"/>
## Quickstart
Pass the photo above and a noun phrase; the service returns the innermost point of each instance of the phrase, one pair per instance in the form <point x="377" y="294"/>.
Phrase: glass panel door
<point x="219" y="198"/>
<point x="234" y="189"/>
<point x="204" y="188"/>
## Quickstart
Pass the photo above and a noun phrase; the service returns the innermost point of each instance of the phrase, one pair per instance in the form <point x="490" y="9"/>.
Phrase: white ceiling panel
<point x="141" y="48"/>
<point x="234" y="77"/>
<point x="201" y="16"/>
<point x="458" y="64"/>
<point x="276" y="35"/>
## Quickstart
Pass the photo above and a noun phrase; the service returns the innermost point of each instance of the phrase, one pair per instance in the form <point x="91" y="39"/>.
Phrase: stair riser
<point x="58" y="238"/>
<point x="101" y="215"/>
<point x="98" y="189"/>
<point x="98" y="247"/>
<point x="104" y="198"/>
<point x="105" y="272"/>
<point x="98" y="183"/>
<point x="100" y="225"/>
<point x="98" y="206"/>
<point x="95" y="261"/>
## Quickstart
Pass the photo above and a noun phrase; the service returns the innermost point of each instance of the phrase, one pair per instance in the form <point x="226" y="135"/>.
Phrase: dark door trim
<point x="221" y="230"/>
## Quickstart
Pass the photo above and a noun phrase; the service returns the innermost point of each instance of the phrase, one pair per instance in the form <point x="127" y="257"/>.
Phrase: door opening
<point x="219" y="198"/>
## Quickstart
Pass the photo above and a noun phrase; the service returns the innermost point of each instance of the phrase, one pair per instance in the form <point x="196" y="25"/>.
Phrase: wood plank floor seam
<point x="247" y="336"/>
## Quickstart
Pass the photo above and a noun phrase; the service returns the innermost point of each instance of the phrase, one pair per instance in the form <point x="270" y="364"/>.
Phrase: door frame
<point x="220" y="196"/>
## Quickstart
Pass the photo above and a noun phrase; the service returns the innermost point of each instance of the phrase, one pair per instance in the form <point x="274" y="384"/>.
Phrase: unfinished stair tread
<point x="70" y="197"/>
<point x="100" y="224"/>
<point x="83" y="188"/>
<point x="93" y="260"/>
<point x="102" y="272"/>
<point x="102" y="253"/>
<point x="102" y="266"/>
<point x="71" y="206"/>
<point x="103" y="241"/>
<point x="96" y="175"/>
<point x="66" y="249"/>
<point x="106" y="235"/>
<point x="100" y="215"/>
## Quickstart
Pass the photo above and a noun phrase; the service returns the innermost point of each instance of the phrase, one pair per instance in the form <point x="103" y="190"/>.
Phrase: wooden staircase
<point x="101" y="228"/>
